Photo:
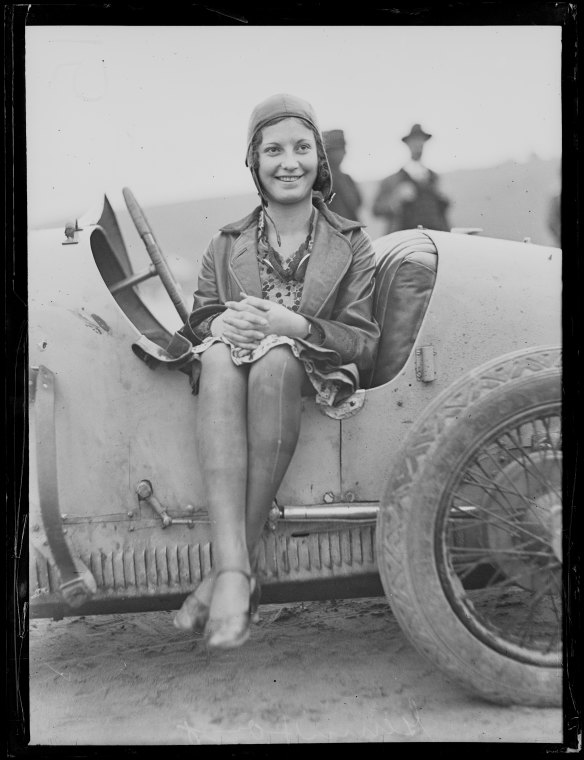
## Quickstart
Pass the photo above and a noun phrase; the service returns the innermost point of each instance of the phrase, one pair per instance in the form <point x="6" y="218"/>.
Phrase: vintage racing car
<point x="438" y="484"/>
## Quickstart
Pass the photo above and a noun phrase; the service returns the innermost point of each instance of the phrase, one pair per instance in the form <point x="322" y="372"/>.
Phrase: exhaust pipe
<point x="330" y="512"/>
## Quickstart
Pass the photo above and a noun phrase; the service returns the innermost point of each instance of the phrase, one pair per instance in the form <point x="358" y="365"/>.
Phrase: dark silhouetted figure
<point x="411" y="196"/>
<point x="347" y="198"/>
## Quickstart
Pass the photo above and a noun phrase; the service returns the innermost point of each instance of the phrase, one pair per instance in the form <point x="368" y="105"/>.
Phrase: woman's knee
<point x="217" y="365"/>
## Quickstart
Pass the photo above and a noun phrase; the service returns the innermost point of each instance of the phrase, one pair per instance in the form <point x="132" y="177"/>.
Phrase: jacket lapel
<point x="243" y="264"/>
<point x="329" y="260"/>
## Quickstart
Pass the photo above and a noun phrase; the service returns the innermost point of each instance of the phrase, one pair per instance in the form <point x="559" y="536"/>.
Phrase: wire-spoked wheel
<point x="477" y="494"/>
<point x="505" y="503"/>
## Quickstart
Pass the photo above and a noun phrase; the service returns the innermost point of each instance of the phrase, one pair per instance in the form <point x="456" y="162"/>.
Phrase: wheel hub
<point x="525" y="519"/>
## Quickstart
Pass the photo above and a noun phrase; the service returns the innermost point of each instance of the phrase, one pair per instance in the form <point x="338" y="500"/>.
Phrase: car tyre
<point x="508" y="648"/>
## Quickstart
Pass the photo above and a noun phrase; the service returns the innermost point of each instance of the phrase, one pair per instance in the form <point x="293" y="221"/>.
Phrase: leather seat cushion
<point x="404" y="284"/>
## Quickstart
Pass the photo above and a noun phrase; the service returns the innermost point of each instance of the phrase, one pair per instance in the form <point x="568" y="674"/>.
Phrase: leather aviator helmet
<point x="288" y="106"/>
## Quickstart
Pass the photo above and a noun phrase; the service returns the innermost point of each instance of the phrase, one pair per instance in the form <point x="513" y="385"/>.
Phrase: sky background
<point x="164" y="110"/>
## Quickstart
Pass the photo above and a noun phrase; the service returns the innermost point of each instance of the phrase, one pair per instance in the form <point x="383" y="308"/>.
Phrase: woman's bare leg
<point x="222" y="453"/>
<point x="274" y="404"/>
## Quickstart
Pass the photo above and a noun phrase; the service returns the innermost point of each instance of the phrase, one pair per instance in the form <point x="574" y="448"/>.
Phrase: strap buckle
<point x="75" y="592"/>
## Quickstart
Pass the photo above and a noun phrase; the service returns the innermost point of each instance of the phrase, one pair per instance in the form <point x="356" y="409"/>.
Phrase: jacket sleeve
<point x="351" y="331"/>
<point x="206" y="301"/>
<point x="442" y="200"/>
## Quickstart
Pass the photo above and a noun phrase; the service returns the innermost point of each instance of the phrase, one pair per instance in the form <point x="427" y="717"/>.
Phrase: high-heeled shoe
<point x="230" y="631"/>
<point x="194" y="613"/>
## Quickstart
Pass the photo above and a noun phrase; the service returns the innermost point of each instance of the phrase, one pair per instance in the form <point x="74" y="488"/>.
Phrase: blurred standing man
<point x="347" y="198"/>
<point x="411" y="197"/>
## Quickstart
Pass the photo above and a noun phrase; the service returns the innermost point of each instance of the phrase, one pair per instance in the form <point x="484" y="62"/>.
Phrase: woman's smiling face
<point x="288" y="161"/>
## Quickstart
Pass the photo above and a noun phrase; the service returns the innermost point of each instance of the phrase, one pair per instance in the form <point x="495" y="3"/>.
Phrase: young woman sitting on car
<point x="283" y="309"/>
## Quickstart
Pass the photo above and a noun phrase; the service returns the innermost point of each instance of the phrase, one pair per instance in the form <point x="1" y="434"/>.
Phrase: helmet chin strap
<point x="264" y="203"/>
<point x="265" y="211"/>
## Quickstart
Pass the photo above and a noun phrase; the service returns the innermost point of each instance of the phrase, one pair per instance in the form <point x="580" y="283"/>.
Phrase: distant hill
<point x="507" y="201"/>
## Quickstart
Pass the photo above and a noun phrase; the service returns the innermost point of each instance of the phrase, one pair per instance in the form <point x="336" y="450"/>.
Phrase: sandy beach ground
<point x="337" y="671"/>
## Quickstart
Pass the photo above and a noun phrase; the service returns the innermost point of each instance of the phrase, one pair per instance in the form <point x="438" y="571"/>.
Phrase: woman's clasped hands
<point x="247" y="322"/>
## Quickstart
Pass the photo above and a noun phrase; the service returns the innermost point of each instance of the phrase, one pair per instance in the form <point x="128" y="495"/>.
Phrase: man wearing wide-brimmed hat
<point x="411" y="196"/>
<point x="347" y="198"/>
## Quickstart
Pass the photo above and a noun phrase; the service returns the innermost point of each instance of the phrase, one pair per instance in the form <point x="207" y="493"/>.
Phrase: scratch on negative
<point x="57" y="672"/>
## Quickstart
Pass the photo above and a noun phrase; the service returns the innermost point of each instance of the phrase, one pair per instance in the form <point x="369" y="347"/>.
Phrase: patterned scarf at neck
<point x="293" y="268"/>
